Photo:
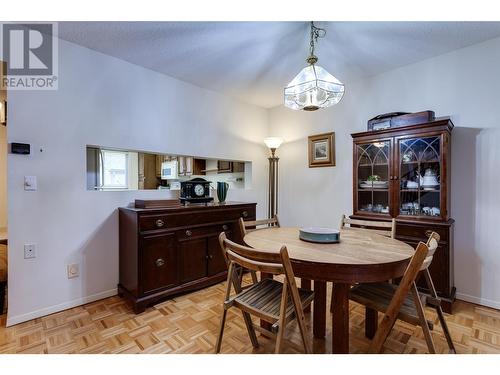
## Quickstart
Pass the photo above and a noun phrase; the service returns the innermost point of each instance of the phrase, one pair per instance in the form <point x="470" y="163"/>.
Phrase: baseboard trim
<point x="12" y="320"/>
<point x="478" y="300"/>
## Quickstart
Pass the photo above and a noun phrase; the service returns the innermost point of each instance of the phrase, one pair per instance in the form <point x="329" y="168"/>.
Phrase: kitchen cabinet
<point x="199" y="166"/>
<point x="171" y="250"/>
<point x="404" y="173"/>
<point x="224" y="166"/>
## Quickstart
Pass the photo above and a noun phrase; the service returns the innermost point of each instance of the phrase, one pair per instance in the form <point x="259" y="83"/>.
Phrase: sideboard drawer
<point x="420" y="232"/>
<point x="196" y="232"/>
<point x="153" y="222"/>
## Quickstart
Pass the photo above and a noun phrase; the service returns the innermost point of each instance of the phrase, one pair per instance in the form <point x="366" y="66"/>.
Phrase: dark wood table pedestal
<point x="340" y="318"/>
<point x="319" y="309"/>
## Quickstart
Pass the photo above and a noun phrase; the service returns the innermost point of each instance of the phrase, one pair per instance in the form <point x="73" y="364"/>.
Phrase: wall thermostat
<point x="20" y="148"/>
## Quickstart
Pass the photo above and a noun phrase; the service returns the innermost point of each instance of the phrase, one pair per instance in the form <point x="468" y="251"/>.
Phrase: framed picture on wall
<point x="322" y="150"/>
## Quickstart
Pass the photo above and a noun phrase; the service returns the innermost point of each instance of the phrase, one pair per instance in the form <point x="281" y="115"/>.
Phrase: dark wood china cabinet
<point x="404" y="173"/>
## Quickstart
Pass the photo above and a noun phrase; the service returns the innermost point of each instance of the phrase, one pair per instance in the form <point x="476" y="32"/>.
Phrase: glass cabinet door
<point x="420" y="176"/>
<point x="373" y="172"/>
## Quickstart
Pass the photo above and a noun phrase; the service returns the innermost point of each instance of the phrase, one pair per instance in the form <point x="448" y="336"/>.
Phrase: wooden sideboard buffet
<point x="404" y="173"/>
<point x="166" y="251"/>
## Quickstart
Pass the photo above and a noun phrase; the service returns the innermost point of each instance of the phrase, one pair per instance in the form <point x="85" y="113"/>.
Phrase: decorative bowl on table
<point x="319" y="235"/>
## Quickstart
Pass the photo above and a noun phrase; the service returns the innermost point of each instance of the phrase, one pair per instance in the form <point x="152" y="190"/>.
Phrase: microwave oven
<point x="169" y="170"/>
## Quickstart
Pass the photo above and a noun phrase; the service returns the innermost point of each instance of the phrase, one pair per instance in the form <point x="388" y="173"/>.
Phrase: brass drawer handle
<point x="159" y="262"/>
<point x="160" y="223"/>
<point x="428" y="232"/>
<point x="189" y="233"/>
<point x="225" y="227"/>
<point x="209" y="256"/>
<point x="244" y="214"/>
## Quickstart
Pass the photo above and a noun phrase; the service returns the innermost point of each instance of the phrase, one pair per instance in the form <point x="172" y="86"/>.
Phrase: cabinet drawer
<point x="200" y="217"/>
<point x="420" y="232"/>
<point x="158" y="262"/>
<point x="197" y="232"/>
<point x="152" y="222"/>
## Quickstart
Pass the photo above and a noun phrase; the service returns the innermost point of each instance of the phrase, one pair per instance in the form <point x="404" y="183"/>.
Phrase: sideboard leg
<point x="139" y="308"/>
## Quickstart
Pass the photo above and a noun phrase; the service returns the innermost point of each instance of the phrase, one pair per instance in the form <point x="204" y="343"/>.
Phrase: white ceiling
<point x="254" y="61"/>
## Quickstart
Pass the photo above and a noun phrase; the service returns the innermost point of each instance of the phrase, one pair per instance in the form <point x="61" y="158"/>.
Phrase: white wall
<point x="462" y="84"/>
<point x="104" y="101"/>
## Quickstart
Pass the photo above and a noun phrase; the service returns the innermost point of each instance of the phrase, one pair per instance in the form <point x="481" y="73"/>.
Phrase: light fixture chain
<point x="316" y="32"/>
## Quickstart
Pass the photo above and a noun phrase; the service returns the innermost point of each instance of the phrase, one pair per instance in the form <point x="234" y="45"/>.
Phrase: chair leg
<point x="303" y="333"/>
<point x="439" y="311"/>
<point x="423" y="320"/>
<point x="250" y="329"/>
<point x="446" y="332"/>
<point x="221" y="332"/>
<point x="254" y="277"/>
<point x="232" y="278"/>
<point x="282" y="319"/>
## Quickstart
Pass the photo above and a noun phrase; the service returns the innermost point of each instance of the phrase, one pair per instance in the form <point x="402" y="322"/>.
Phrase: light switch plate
<point x="30" y="183"/>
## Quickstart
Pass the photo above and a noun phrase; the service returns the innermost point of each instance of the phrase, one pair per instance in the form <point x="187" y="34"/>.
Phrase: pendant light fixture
<point x="313" y="88"/>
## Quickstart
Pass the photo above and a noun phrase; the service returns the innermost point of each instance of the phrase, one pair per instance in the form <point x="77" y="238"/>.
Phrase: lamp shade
<point x="273" y="142"/>
<point x="313" y="88"/>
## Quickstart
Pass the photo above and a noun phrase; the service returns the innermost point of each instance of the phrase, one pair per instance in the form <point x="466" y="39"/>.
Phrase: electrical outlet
<point x="73" y="270"/>
<point x="29" y="251"/>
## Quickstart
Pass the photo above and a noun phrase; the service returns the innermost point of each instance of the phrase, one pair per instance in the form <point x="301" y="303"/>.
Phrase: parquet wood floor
<point x="189" y="324"/>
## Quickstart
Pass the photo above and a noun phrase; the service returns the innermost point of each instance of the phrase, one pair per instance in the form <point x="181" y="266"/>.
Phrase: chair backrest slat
<point x="273" y="268"/>
<point x="432" y="244"/>
<point x="248" y="226"/>
<point x="385" y="228"/>
<point x="253" y="259"/>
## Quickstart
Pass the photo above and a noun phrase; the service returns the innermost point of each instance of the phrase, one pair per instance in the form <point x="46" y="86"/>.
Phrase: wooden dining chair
<point x="270" y="300"/>
<point x="251" y="225"/>
<point x="385" y="228"/>
<point x="395" y="302"/>
<point x="377" y="296"/>
<point x="433" y="299"/>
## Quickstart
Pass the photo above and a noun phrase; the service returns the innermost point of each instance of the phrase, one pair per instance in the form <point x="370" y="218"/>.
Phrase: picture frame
<point x="322" y="150"/>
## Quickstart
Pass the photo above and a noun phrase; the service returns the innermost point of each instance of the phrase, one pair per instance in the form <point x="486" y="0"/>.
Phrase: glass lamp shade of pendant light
<point x="313" y="88"/>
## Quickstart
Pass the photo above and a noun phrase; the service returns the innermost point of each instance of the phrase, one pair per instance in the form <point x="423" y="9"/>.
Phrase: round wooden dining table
<point x="359" y="257"/>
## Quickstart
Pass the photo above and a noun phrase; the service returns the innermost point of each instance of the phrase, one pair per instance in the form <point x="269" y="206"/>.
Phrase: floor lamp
<point x="273" y="143"/>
